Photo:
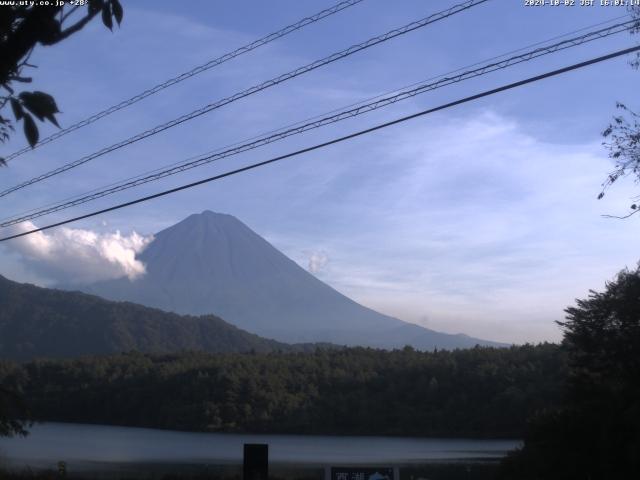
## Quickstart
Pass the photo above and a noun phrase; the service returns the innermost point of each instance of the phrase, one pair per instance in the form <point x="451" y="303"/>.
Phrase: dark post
<point x="62" y="469"/>
<point x="256" y="461"/>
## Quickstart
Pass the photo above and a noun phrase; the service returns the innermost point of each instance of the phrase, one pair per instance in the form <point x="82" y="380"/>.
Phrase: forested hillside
<point x="42" y="322"/>
<point x="477" y="392"/>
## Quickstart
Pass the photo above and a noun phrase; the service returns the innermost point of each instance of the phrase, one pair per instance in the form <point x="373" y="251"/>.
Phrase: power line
<point x="257" y="88"/>
<point x="194" y="71"/>
<point x="314" y="117"/>
<point x="300" y="122"/>
<point x="362" y="108"/>
<point x="335" y="140"/>
<point x="219" y="154"/>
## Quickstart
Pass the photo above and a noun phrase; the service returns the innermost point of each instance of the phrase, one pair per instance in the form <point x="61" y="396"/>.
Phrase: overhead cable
<point x="250" y="91"/>
<point x="191" y="73"/>
<point x="361" y="109"/>
<point x="332" y="142"/>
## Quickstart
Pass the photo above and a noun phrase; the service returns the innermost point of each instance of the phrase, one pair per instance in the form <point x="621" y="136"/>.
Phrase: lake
<point x="84" y="445"/>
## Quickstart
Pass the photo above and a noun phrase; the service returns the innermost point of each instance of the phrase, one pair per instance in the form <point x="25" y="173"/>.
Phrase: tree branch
<point x="68" y="14"/>
<point x="20" y="79"/>
<point x="76" y="27"/>
<point x="619" y="217"/>
<point x="30" y="31"/>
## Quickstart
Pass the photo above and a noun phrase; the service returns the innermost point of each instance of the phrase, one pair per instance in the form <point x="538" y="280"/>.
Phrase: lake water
<point x="80" y="445"/>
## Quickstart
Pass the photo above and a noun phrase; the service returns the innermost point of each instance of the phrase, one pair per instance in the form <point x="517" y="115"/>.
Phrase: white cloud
<point x="318" y="261"/>
<point x="79" y="256"/>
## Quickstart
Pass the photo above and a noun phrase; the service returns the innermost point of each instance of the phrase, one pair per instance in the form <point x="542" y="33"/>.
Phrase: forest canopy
<point x="486" y="392"/>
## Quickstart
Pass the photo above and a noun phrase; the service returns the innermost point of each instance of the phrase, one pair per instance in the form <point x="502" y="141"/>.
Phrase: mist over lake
<point x="83" y="445"/>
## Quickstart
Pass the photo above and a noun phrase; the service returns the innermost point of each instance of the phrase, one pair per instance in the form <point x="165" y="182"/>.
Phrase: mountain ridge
<point x="42" y="322"/>
<point x="213" y="263"/>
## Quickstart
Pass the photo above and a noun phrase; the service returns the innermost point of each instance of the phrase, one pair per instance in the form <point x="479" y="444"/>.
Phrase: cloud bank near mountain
<point x="79" y="256"/>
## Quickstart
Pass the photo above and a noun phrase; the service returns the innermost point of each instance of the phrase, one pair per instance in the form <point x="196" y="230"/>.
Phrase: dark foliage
<point x="596" y="431"/>
<point x="622" y="136"/>
<point x="13" y="413"/>
<point x="623" y="142"/>
<point x="23" y="27"/>
<point x="40" y="322"/>
<point x="476" y="392"/>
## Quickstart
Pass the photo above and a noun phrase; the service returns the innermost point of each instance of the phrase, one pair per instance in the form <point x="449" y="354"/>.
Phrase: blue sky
<point x="481" y="219"/>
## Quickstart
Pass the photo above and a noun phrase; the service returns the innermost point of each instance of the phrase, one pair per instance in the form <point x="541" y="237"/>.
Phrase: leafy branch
<point x="23" y="28"/>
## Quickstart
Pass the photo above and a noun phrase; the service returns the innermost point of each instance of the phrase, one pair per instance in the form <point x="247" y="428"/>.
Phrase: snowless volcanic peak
<point x="213" y="263"/>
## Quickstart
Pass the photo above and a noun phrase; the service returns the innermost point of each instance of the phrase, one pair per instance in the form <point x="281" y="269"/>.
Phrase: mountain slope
<point x="42" y="322"/>
<point x="213" y="263"/>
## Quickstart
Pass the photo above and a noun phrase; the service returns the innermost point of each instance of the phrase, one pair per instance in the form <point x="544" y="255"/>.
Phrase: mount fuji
<point x="212" y="263"/>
